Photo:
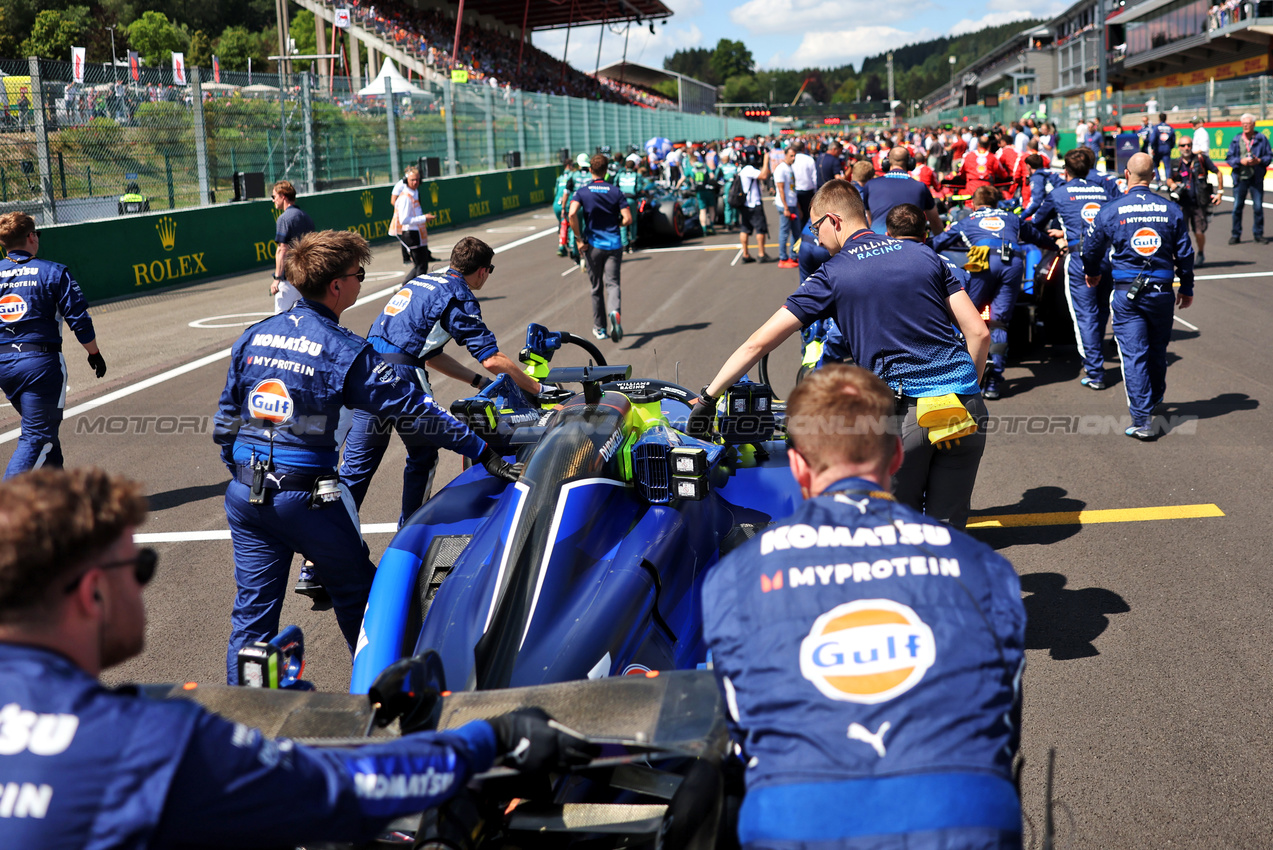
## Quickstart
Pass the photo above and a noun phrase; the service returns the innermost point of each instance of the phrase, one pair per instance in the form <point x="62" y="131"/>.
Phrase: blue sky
<point x="793" y="33"/>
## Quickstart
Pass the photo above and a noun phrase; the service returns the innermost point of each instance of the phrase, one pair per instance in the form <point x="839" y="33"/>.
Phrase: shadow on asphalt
<point x="1066" y="622"/>
<point x="643" y="338"/>
<point x="184" y="496"/>
<point x="1211" y="408"/>
<point x="1053" y="367"/>
<point x="1036" y="500"/>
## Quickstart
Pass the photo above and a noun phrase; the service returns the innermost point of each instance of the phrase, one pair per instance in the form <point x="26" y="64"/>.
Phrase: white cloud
<point x="991" y="19"/>
<point x="643" y="48"/>
<point x="832" y="49"/>
<point x="766" y="17"/>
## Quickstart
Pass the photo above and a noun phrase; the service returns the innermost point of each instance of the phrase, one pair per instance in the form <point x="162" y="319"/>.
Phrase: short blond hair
<point x="842" y="414"/>
<point x="317" y="258"/>
<point x="15" y="227"/>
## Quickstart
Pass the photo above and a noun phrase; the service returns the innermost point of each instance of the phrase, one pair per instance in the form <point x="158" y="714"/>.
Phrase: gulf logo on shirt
<point x="994" y="224"/>
<point x="1146" y="241"/>
<point x="868" y="651"/>
<point x="398" y="303"/>
<point x="1089" y="211"/>
<point x="270" y="400"/>
<point x="12" y="308"/>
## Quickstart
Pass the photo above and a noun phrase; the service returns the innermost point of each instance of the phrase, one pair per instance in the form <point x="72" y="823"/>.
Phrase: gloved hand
<point x="98" y="362"/>
<point x="498" y="467"/>
<point x="701" y="415"/>
<point x="550" y="394"/>
<point x="529" y="740"/>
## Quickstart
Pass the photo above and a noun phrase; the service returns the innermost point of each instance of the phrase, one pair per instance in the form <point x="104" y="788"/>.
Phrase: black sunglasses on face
<point x="490" y="270"/>
<point x="361" y="274"/>
<point x="143" y="568"/>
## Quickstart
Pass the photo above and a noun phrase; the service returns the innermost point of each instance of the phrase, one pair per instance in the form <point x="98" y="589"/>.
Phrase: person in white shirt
<point x="1080" y="134"/>
<point x="410" y="225"/>
<point x="751" y="217"/>
<point x="785" y="199"/>
<point x="806" y="172"/>
<point x="1201" y="138"/>
<point x="1021" y="140"/>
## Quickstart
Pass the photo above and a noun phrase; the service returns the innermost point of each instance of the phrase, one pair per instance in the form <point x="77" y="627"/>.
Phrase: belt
<point x="281" y="480"/>
<point x="401" y="358"/>
<point x="28" y="348"/>
<point x="1159" y="285"/>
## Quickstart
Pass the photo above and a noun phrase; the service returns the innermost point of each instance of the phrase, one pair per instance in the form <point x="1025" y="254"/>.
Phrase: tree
<point x="302" y="30"/>
<point x="847" y="92"/>
<point x="54" y="33"/>
<point x="200" y="52"/>
<point x="743" y="88"/>
<point x="156" y="38"/>
<point x="874" y="89"/>
<point x="694" y="62"/>
<point x="236" y="45"/>
<point x="731" y="59"/>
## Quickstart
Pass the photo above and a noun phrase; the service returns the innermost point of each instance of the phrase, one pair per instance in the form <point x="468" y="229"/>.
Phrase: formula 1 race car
<point x="590" y="565"/>
<point x="668" y="215"/>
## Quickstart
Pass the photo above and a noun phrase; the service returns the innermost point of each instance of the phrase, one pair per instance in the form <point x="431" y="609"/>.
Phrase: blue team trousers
<point x="1142" y="329"/>
<point x="35" y="385"/>
<point x="998" y="288"/>
<point x="1255" y="188"/>
<point x="1089" y="308"/>
<point x="365" y="448"/>
<point x="266" y="537"/>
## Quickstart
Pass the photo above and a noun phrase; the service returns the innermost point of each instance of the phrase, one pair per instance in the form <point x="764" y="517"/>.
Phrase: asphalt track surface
<point x="1148" y="662"/>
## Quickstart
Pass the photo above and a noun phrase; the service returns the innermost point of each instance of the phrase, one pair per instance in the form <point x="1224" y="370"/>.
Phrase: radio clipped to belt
<point x="326" y="492"/>
<point x="260" y="469"/>
<point x="946" y="419"/>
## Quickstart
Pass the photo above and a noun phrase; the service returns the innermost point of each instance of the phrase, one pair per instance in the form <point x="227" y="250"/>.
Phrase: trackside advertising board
<point x="142" y="253"/>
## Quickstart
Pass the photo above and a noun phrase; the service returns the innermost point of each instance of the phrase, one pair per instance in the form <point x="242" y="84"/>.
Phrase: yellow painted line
<point x="1095" y="517"/>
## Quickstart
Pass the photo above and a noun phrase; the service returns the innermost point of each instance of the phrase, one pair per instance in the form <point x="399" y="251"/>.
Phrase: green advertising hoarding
<point x="143" y="253"/>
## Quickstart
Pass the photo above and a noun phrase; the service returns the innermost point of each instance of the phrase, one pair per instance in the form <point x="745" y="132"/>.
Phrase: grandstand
<point x="491" y="44"/>
<point x="638" y="83"/>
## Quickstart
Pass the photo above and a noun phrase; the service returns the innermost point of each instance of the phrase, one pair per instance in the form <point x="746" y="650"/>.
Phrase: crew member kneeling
<point x="90" y="768"/>
<point x="869" y="656"/>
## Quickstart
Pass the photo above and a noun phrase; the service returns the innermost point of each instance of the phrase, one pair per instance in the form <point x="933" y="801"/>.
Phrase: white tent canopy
<point x="399" y="83"/>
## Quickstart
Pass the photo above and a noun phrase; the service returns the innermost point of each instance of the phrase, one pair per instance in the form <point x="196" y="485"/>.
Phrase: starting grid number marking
<point x="224" y="534"/>
<point x="155" y="380"/>
<point x="241" y="320"/>
<point x="1095" y="517"/>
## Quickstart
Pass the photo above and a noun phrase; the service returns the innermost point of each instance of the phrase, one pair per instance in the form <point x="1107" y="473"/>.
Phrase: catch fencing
<point x="71" y="151"/>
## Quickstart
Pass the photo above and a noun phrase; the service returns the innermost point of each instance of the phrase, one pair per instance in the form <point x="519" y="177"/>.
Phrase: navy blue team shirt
<point x="1149" y="235"/>
<point x="428" y="312"/>
<point x="601" y="202"/>
<point x="292" y="223"/>
<point x="881" y="194"/>
<point x="870" y="659"/>
<point x="888" y="297"/>
<point x="35" y="296"/>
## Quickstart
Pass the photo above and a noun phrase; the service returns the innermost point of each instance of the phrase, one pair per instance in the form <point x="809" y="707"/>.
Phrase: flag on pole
<point x="77" y="63"/>
<point x="216" y="68"/>
<point x="134" y="65"/>
<point x="179" y="69"/>
<point x="342" y="18"/>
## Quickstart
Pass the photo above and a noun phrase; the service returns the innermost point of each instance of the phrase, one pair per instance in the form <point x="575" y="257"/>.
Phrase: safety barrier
<point x="143" y="253"/>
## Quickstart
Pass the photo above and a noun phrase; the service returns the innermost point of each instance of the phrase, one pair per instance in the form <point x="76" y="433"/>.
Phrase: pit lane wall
<point x="137" y="254"/>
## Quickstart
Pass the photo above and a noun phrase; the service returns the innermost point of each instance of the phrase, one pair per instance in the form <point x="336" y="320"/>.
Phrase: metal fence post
<point x="521" y="126"/>
<point x="1264" y="96"/>
<point x="200" y="137"/>
<point x="489" y="106"/>
<point x="587" y="130"/>
<point x="570" y="143"/>
<point x="394" y="164"/>
<point x="546" y="126"/>
<point x="449" y="91"/>
<point x="307" y="131"/>
<point x="1211" y="96"/>
<point x="48" y="209"/>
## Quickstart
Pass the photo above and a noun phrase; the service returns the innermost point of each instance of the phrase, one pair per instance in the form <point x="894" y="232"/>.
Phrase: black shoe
<point x="1233" y="240"/>
<point x="308" y="585"/>
<point x="1202" y="258"/>
<point x="747" y="258"/>
<point x="765" y="258"/>
<point x="991" y="393"/>
<point x="1261" y="240"/>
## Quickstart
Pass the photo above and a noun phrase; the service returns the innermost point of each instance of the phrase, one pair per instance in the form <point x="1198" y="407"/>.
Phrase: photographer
<point x="1193" y="191"/>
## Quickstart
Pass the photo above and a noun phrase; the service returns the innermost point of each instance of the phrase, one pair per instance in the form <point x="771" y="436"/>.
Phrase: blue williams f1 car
<point x="591" y="564"/>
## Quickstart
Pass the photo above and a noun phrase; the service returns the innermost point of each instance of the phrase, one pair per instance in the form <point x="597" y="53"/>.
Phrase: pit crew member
<point x="293" y="222"/>
<point x="409" y="334"/>
<point x="277" y="423"/>
<point x="629" y="182"/>
<point x="92" y="767"/>
<point x="1161" y="141"/>
<point x="901" y="331"/>
<point x="883" y="193"/>
<point x="604" y="213"/>
<point x="36" y="296"/>
<point x="1150" y="239"/>
<point x="875" y="690"/>
<point x="980" y="167"/>
<point x="1075" y="203"/>
<point x="995" y="243"/>
<point x="562" y="191"/>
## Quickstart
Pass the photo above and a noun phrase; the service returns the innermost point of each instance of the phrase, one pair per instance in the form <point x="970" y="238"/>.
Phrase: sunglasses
<point x="490" y="269"/>
<point x="361" y="274"/>
<point x="143" y="568"/>
<point x="818" y="223"/>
